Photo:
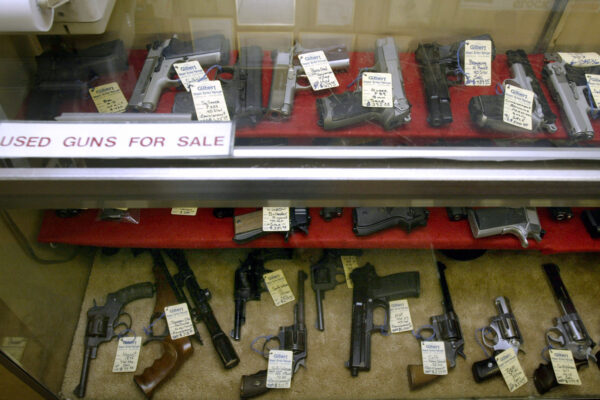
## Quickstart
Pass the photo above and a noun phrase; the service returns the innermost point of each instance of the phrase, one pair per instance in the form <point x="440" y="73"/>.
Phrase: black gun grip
<point x="485" y="108"/>
<point x="485" y="369"/>
<point x="134" y="292"/>
<point x="544" y="378"/>
<point x="341" y="110"/>
<point x="254" y="385"/>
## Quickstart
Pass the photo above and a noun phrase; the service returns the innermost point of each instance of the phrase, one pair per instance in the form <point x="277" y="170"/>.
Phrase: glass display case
<point x="401" y="133"/>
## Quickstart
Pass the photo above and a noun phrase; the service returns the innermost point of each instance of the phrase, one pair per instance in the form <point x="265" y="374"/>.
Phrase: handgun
<point x="370" y="292"/>
<point x="437" y="63"/>
<point x="591" y="221"/>
<point x="487" y="111"/>
<point x="568" y="87"/>
<point x="158" y="72"/>
<point x="368" y="220"/>
<point x="249" y="226"/>
<point x="68" y="74"/>
<point x="329" y="213"/>
<point x="444" y="327"/>
<point x="569" y="333"/>
<point x="501" y="334"/>
<point x="341" y="110"/>
<point x="292" y="338"/>
<point x="286" y="72"/>
<point x="522" y="222"/>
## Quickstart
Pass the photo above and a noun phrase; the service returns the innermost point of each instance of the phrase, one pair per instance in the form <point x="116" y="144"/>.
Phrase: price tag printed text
<point x="350" y="263"/>
<point x="580" y="59"/>
<point x="478" y="63"/>
<point x="564" y="367"/>
<point x="128" y="353"/>
<point x="179" y="321"/>
<point x="518" y="104"/>
<point x="278" y="287"/>
<point x="594" y="84"/>
<point x="189" y="72"/>
<point x="434" y="358"/>
<point x="187" y="211"/>
<point x="400" y="320"/>
<point x="279" y="371"/>
<point x="209" y="101"/>
<point x="318" y="70"/>
<point x="377" y="90"/>
<point x="276" y="219"/>
<point x="511" y="369"/>
<point x="109" y="98"/>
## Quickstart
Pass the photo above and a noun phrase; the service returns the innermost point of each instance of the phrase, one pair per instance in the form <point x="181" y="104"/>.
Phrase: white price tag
<point x="109" y="98"/>
<point x="128" y="353"/>
<point x="564" y="367"/>
<point x="278" y="287"/>
<point x="209" y="101"/>
<point x="580" y="59"/>
<point x="187" y="211"/>
<point x="478" y="63"/>
<point x="189" y="72"/>
<point x="594" y="84"/>
<point x="400" y="320"/>
<point x="350" y="263"/>
<point x="276" y="219"/>
<point x="511" y="369"/>
<point x="179" y="321"/>
<point x="279" y="371"/>
<point x="318" y="70"/>
<point x="434" y="358"/>
<point x="377" y="90"/>
<point x="518" y="104"/>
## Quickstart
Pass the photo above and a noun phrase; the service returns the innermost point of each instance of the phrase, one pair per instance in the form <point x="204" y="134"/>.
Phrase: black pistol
<point x="368" y="220"/>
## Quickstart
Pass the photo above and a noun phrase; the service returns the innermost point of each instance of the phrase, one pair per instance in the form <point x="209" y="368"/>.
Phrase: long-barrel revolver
<point x="291" y="338"/>
<point x="341" y="110"/>
<point x="445" y="328"/>
<point x="569" y="333"/>
<point x="487" y="111"/>
<point x="158" y="72"/>
<point x="370" y="292"/>
<point x="501" y="334"/>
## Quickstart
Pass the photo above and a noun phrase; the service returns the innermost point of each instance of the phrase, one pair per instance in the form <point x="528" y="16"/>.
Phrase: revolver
<point x="521" y="222"/>
<point x="158" y="72"/>
<point x="341" y="110"/>
<point x="368" y="220"/>
<point x="291" y="338"/>
<point x="436" y="63"/>
<point x="444" y="327"/>
<point x="501" y="334"/>
<point x="372" y="291"/>
<point x="287" y="70"/>
<point x="568" y="87"/>
<point x="569" y="333"/>
<point x="487" y="111"/>
<point x="249" y="226"/>
<point x="102" y="322"/>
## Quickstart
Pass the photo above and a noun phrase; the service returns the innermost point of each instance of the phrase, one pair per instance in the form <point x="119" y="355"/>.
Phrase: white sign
<point x="350" y="263"/>
<point x="276" y="219"/>
<point x="511" y="369"/>
<point x="179" y="321"/>
<point x="377" y="90"/>
<point x="128" y="352"/>
<point x="400" y="320"/>
<point x="518" y="105"/>
<point x="278" y="287"/>
<point x="189" y="72"/>
<point x="209" y="101"/>
<point x="594" y="84"/>
<point x="434" y="358"/>
<point x="114" y="140"/>
<point x="580" y="59"/>
<point x="317" y="69"/>
<point x="279" y="371"/>
<point x="564" y="367"/>
<point x="187" y="211"/>
<point x="478" y="62"/>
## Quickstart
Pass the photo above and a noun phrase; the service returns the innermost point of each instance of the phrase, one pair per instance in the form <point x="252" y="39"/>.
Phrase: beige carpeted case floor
<point x="474" y="284"/>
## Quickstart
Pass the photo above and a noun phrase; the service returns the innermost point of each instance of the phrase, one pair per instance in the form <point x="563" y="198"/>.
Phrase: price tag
<point x="434" y="358"/>
<point x="350" y="263"/>
<point x="278" y="287"/>
<point x="109" y="98"/>
<point x="594" y="84"/>
<point x="189" y="72"/>
<point x="128" y="353"/>
<point x="209" y="101"/>
<point x="188" y="211"/>
<point x="478" y="63"/>
<point x="400" y="320"/>
<point x="318" y="70"/>
<point x="564" y="367"/>
<point x="518" y="104"/>
<point x="279" y="371"/>
<point x="377" y="90"/>
<point x="511" y="369"/>
<point x="276" y="219"/>
<point x="580" y="59"/>
<point x="179" y="321"/>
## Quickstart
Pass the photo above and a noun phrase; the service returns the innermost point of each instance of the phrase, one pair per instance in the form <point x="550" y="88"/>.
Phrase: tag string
<point x="267" y="338"/>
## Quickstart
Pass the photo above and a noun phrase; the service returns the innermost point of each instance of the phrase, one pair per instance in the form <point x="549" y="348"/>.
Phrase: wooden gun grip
<point x="175" y="352"/>
<point x="417" y="379"/>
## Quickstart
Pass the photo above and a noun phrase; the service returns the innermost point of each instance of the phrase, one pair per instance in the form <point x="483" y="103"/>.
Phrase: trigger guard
<point x="266" y="347"/>
<point x="119" y="323"/>
<point x="550" y="339"/>
<point x="485" y="339"/>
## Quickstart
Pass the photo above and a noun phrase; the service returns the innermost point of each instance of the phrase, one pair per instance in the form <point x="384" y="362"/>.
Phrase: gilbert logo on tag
<point x="580" y="59"/>
<point x="478" y="63"/>
<point x="564" y="367"/>
<point x="179" y="321"/>
<point x="279" y="371"/>
<point x="350" y="263"/>
<point x="276" y="219"/>
<point x="594" y="85"/>
<point x="187" y="211"/>
<point x="400" y="320"/>
<point x="317" y="69"/>
<point x="189" y="72"/>
<point x="128" y="353"/>
<point x="511" y="369"/>
<point x="518" y="105"/>
<point x="377" y="90"/>
<point x="109" y="98"/>
<point x="278" y="287"/>
<point x="434" y="358"/>
<point x="209" y="101"/>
